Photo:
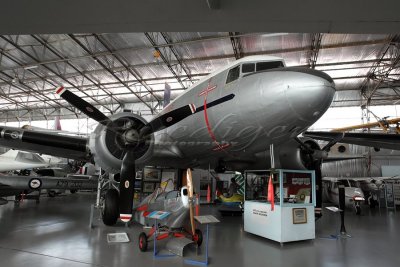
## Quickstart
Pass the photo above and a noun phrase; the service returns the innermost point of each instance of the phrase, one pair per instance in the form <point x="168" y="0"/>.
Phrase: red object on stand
<point x="271" y="193"/>
<point x="208" y="194"/>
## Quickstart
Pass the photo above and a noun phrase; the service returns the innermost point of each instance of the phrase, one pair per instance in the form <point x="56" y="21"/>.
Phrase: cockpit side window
<point x="233" y="74"/>
<point x="248" y="67"/>
<point x="268" y="65"/>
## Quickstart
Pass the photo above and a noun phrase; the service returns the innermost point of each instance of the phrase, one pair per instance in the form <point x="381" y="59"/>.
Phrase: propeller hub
<point x="131" y="137"/>
<point x="320" y="154"/>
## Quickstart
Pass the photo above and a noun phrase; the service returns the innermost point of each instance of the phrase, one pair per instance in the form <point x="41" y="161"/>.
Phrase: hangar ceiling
<point x="117" y="71"/>
<point x="61" y="16"/>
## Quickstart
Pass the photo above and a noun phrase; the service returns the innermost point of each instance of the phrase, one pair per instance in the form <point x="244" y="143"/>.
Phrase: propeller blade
<point x="83" y="106"/>
<point x="168" y="119"/>
<point x="304" y="146"/>
<point x="126" y="185"/>
<point x="189" y="183"/>
<point x="332" y="142"/>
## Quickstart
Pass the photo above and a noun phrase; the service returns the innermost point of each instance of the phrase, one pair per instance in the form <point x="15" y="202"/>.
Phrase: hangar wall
<point x="359" y="167"/>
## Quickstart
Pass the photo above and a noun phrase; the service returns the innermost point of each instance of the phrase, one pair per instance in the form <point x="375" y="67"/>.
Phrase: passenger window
<point x="248" y="67"/>
<point x="269" y="65"/>
<point x="233" y="74"/>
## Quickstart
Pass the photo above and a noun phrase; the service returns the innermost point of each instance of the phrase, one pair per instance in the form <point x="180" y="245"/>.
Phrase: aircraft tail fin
<point x="57" y="123"/>
<point x="167" y="94"/>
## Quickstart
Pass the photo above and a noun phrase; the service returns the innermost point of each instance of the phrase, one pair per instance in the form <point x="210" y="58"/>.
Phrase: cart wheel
<point x="142" y="242"/>
<point x="198" y="237"/>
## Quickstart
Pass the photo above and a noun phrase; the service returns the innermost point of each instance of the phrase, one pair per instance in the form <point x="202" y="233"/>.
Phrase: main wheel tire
<point x="199" y="237"/>
<point x="143" y="242"/>
<point x="73" y="191"/>
<point x="110" y="212"/>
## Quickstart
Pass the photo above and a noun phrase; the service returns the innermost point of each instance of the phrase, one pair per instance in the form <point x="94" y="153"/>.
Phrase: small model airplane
<point x="354" y="196"/>
<point x="177" y="208"/>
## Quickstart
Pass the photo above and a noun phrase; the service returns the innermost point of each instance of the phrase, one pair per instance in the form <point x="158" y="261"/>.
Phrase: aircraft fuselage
<point x="237" y="119"/>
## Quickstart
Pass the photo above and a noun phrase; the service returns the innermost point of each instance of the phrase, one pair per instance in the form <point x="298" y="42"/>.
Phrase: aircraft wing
<point x="55" y="144"/>
<point x="342" y="157"/>
<point x="46" y="182"/>
<point x="6" y="166"/>
<point x="379" y="140"/>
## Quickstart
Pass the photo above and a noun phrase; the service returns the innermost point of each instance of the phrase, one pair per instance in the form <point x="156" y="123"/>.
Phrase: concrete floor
<point x="56" y="233"/>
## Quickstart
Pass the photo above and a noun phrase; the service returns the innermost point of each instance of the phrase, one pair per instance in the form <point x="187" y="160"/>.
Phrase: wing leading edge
<point x="65" y="146"/>
<point x="378" y="140"/>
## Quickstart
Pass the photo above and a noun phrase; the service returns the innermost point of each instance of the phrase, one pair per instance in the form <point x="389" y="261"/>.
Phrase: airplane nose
<point x="309" y="92"/>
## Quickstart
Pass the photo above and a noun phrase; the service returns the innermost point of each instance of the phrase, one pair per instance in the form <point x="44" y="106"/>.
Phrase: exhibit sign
<point x="260" y="211"/>
<point x="299" y="215"/>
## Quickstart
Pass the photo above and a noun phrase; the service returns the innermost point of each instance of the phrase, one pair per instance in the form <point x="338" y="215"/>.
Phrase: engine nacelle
<point x="293" y="156"/>
<point x="106" y="145"/>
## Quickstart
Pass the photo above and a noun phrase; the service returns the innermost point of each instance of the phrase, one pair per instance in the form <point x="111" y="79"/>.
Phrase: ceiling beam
<point x="380" y="71"/>
<point x="315" y="47"/>
<point x="236" y="44"/>
<point x="73" y="37"/>
<point x="56" y="53"/>
<point x="126" y="66"/>
<point x="267" y="52"/>
<point x="163" y="56"/>
<point x="178" y="58"/>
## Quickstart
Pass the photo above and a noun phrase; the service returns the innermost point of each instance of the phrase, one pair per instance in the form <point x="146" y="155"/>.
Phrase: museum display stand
<point x="292" y="218"/>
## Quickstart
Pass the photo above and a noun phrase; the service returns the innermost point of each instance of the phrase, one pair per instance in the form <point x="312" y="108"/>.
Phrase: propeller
<point x="189" y="180"/>
<point x="129" y="138"/>
<point x="83" y="106"/>
<point x="316" y="155"/>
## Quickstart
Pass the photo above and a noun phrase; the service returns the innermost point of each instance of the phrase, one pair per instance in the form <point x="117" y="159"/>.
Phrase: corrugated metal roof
<point x="109" y="68"/>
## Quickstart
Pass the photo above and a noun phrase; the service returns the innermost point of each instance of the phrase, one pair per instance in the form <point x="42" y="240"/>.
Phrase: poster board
<point x="151" y="175"/>
<point x="168" y="180"/>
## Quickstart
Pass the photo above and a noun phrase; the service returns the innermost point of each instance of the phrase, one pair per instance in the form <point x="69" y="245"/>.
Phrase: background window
<point x="233" y="74"/>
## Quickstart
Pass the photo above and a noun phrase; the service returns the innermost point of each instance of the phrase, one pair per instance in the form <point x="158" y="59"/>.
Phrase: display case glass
<point x="290" y="187"/>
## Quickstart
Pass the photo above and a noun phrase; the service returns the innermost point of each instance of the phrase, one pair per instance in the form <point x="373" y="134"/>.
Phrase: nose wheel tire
<point x="143" y="242"/>
<point x="110" y="212"/>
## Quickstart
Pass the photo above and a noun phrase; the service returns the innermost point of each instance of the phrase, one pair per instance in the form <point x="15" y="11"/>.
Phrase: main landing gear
<point x="110" y="211"/>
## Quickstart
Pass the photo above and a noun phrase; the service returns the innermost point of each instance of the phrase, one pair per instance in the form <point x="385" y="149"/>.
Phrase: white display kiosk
<point x="293" y="216"/>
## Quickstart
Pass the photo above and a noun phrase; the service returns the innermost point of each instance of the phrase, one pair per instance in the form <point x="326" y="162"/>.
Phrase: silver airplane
<point x="371" y="187"/>
<point x="11" y="185"/>
<point x="354" y="196"/>
<point x="20" y="160"/>
<point x="227" y="120"/>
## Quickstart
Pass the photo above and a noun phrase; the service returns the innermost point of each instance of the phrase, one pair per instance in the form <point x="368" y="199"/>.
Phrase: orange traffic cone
<point x="208" y="194"/>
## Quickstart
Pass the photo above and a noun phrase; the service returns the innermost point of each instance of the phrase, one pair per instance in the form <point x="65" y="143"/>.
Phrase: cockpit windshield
<point x="260" y="66"/>
<point x="234" y="73"/>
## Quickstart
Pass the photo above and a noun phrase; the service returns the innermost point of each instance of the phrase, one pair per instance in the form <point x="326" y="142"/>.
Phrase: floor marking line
<point x="49" y="256"/>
